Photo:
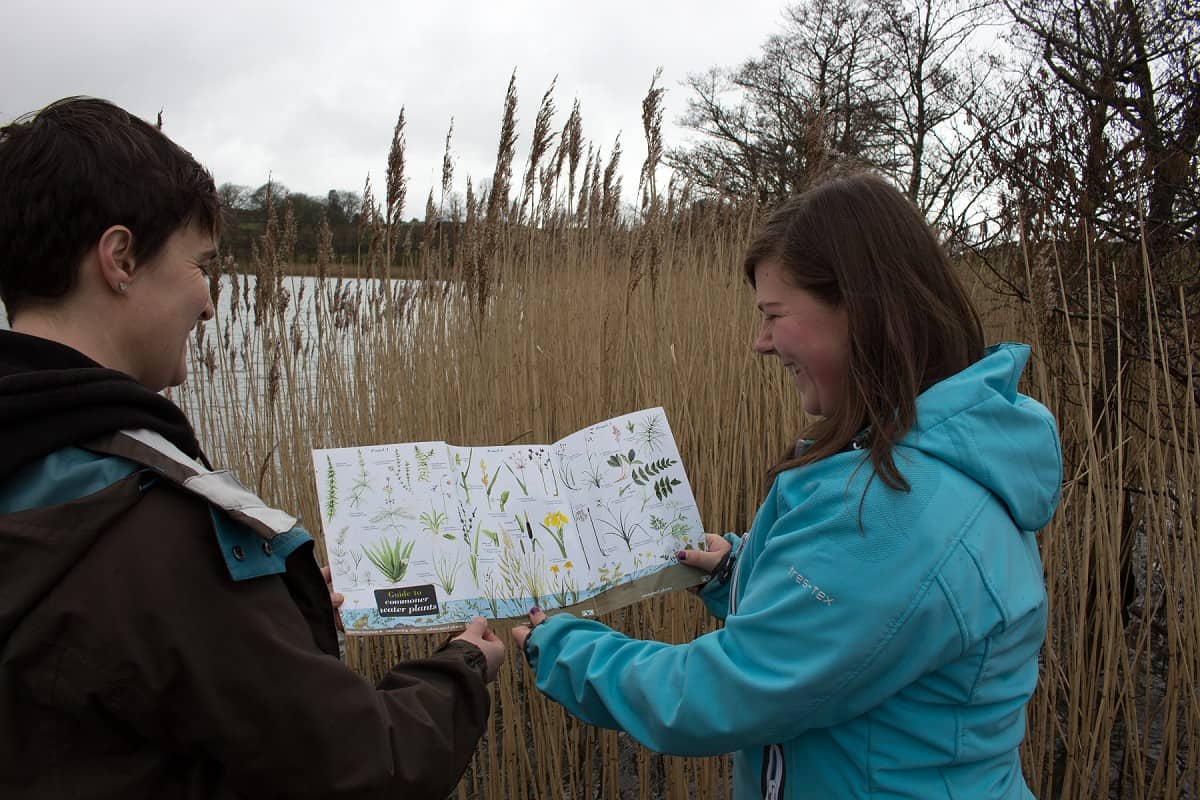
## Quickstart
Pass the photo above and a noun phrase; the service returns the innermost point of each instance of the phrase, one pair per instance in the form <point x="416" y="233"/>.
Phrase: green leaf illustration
<point x="665" y="487"/>
<point x="646" y="474"/>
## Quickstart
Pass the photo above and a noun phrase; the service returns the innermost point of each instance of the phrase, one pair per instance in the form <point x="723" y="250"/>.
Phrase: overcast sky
<point x="309" y="93"/>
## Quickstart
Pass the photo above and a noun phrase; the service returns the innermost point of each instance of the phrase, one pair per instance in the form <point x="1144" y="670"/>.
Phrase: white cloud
<point x="309" y="93"/>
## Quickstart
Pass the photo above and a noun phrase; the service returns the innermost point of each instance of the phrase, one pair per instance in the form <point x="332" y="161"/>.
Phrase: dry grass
<point x="575" y="316"/>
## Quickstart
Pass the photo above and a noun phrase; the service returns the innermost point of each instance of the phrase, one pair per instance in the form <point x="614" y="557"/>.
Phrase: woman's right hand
<point x="707" y="560"/>
<point x="481" y="635"/>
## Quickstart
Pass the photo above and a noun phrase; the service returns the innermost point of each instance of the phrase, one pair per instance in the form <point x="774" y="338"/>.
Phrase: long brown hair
<point x="856" y="242"/>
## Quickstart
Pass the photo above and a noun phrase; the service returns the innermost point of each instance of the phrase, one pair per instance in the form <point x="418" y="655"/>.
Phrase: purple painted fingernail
<point x="534" y="610"/>
<point x="681" y="555"/>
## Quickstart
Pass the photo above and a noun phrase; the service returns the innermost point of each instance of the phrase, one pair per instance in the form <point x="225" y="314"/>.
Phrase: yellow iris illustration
<point x="553" y="525"/>
<point x="555" y="520"/>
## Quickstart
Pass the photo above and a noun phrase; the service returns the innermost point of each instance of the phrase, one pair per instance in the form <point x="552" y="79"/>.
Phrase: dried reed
<point x="551" y="328"/>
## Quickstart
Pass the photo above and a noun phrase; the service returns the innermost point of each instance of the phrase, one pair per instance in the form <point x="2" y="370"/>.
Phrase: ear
<point x="114" y="251"/>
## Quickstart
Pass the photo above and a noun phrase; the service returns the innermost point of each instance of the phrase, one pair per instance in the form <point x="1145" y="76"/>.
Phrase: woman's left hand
<point x="335" y="598"/>
<point x="521" y="632"/>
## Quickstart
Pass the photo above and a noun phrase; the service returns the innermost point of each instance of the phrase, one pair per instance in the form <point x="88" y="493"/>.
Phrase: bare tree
<point x="1102" y="158"/>
<point x="1111" y="117"/>
<point x="890" y="84"/>
<point x="233" y="196"/>
<point x="809" y="101"/>
<point x="937" y="83"/>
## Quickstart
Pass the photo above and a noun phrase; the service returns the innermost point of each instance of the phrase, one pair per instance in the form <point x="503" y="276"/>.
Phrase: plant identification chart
<point x="424" y="536"/>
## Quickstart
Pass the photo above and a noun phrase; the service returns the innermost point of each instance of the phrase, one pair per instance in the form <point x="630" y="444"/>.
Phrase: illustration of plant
<point x="390" y="557"/>
<point x="540" y="459"/>
<point x="564" y="588"/>
<point x="402" y="470"/>
<point x="663" y="487"/>
<point x="362" y="482"/>
<point x="462" y="473"/>
<point x="583" y="515"/>
<point x="491" y="590"/>
<point x="390" y="518"/>
<point x="422" y="457"/>
<point x="553" y="525"/>
<point x="594" y="474"/>
<point x="490" y="481"/>
<point x="527" y="529"/>
<point x="516" y="468"/>
<point x="618" y="524"/>
<point x="331" y="489"/>
<point x="523" y="572"/>
<point x="676" y="527"/>
<point x="564" y="468"/>
<point x="648" y="473"/>
<point x="651" y="432"/>
<point x="446" y="566"/>
<point x="610" y="578"/>
<point x="356" y="556"/>
<point x="432" y="522"/>
<point x="548" y="466"/>
<point x="340" y="553"/>
<point x="466" y="517"/>
<point x="622" y="460"/>
<point x="651" y="475"/>
<point x="472" y="540"/>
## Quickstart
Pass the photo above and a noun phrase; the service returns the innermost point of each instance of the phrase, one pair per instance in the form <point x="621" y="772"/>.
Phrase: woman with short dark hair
<point x="163" y="633"/>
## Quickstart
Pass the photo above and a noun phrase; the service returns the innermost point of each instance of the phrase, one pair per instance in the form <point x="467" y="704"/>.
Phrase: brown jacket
<point x="132" y="665"/>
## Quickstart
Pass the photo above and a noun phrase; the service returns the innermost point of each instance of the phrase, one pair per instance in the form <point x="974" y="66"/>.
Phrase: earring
<point x="122" y="286"/>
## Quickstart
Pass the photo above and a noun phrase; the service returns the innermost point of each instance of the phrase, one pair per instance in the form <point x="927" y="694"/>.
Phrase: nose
<point x="209" y="311"/>
<point x="764" y="345"/>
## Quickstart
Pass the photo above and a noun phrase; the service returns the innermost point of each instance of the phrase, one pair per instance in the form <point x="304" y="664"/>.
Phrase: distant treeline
<point x="245" y="211"/>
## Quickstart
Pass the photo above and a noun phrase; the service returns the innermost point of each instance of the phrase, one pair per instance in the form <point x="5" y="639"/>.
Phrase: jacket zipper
<point x="774" y="773"/>
<point x="737" y="570"/>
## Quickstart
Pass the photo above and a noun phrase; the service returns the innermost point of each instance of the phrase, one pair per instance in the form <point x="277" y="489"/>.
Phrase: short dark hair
<point x="76" y="168"/>
<point x="857" y="243"/>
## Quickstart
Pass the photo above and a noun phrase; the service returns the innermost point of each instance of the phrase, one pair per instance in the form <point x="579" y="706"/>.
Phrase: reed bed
<point x="539" y="324"/>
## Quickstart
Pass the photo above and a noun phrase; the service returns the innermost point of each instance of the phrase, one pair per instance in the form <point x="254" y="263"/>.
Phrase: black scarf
<point x="52" y="396"/>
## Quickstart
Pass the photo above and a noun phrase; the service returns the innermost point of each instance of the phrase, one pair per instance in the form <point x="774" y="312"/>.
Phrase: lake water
<point x="233" y="339"/>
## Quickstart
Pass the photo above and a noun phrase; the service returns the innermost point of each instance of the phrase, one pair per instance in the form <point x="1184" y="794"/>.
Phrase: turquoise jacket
<point x="891" y="660"/>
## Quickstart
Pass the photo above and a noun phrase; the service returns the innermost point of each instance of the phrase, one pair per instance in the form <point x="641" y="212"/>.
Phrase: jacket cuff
<point x="723" y="571"/>
<point x="531" y="647"/>
<point x="469" y="653"/>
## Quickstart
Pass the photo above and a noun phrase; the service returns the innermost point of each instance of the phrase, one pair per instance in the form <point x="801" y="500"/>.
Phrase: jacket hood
<point x="52" y="396"/>
<point x="977" y="422"/>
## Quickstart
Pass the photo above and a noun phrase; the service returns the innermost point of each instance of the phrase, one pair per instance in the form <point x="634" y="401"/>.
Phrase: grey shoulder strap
<point x="220" y="488"/>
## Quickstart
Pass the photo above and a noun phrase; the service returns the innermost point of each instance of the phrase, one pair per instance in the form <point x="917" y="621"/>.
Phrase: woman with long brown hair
<point x="883" y="615"/>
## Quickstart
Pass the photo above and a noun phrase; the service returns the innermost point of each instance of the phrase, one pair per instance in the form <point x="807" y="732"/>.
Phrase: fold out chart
<point x="424" y="536"/>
